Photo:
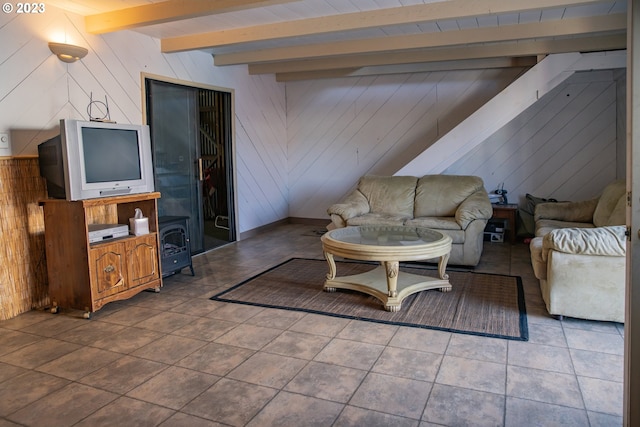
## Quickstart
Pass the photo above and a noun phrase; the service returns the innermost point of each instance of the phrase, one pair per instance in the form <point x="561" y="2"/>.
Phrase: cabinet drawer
<point x="107" y="270"/>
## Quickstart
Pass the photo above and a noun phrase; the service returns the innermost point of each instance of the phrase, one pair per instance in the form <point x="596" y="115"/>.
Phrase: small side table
<point x="510" y="213"/>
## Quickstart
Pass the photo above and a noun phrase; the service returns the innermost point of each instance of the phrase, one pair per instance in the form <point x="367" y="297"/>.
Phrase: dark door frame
<point x="231" y="153"/>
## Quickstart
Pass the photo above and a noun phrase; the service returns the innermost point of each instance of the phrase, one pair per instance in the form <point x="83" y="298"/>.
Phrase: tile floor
<point x="175" y="358"/>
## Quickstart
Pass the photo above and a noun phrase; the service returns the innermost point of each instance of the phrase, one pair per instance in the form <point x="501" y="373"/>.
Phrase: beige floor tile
<point x="352" y="354"/>
<point x="249" y="336"/>
<point x="130" y="315"/>
<point x="174" y="387"/>
<point x="549" y="358"/>
<point x="276" y="318"/>
<point x="543" y="386"/>
<point x="326" y="381"/>
<point x="270" y="370"/>
<point x="602" y="396"/>
<point x="230" y="402"/>
<point x="184" y="420"/>
<point x="9" y="371"/>
<point x="604" y="420"/>
<point x="369" y="332"/>
<point x="421" y="339"/>
<point x="128" y="340"/>
<point x="473" y="374"/>
<point x="320" y="325"/>
<point x="594" y="341"/>
<point x="217" y="359"/>
<point x="478" y="348"/>
<point x="89" y="332"/>
<point x="454" y="406"/>
<point x="64" y="407"/>
<point x="23" y="389"/>
<point x="288" y="409"/>
<point x="297" y="344"/>
<point x="38" y="353"/>
<point x="169" y="349"/>
<point x="79" y="363"/>
<point x="358" y="417"/>
<point x="194" y="307"/>
<point x="124" y="374"/>
<point x="205" y="329"/>
<point x="521" y="412"/>
<point x="166" y="322"/>
<point x="598" y="365"/>
<point x="127" y="412"/>
<point x="55" y="325"/>
<point x="392" y="395"/>
<point x="405" y="363"/>
<point x="234" y="312"/>
<point x="11" y="340"/>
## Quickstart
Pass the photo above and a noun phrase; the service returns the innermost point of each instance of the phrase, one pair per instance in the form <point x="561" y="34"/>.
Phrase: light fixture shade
<point x="68" y="52"/>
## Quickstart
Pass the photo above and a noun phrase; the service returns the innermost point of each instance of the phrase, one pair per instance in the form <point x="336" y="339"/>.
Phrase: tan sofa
<point x="578" y="255"/>
<point x="455" y="205"/>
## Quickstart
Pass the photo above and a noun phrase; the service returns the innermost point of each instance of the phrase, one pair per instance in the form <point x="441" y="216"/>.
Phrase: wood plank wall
<point x="569" y="145"/>
<point x="565" y="146"/>
<point x="37" y="90"/>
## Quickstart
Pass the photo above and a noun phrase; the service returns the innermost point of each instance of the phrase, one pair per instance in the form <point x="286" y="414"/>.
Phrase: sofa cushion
<point x="602" y="241"/>
<point x="390" y="195"/>
<point x="609" y="202"/>
<point x="440" y="195"/>
<point x="544" y="226"/>
<point x="376" y="219"/>
<point x="437" y="223"/>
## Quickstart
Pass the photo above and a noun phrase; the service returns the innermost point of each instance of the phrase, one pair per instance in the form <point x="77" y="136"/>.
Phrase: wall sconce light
<point x="68" y="52"/>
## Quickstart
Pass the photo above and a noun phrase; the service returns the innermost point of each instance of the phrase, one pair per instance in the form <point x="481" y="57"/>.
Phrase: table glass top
<point x="380" y="235"/>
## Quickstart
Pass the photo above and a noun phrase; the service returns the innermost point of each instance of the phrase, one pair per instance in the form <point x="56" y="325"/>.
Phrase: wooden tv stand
<point x="86" y="276"/>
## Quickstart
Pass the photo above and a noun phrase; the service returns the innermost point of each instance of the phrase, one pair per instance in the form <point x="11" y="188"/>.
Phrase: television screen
<point x="110" y="154"/>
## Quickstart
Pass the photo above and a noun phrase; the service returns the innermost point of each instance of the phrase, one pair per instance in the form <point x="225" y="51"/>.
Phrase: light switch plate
<point x="4" y="141"/>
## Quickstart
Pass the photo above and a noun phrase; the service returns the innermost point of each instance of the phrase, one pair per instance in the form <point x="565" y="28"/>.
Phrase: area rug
<point x="479" y="304"/>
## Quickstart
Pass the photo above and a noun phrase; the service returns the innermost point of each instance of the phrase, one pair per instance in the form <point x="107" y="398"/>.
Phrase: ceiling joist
<point x="556" y="28"/>
<point x="166" y="11"/>
<point x="493" y="50"/>
<point x="465" y="64"/>
<point x="416" y="14"/>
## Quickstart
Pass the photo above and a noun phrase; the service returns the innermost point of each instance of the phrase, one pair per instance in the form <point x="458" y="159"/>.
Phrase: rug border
<point x="524" y="327"/>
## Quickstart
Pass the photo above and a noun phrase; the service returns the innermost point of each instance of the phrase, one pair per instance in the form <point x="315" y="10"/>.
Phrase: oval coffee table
<point x="389" y="245"/>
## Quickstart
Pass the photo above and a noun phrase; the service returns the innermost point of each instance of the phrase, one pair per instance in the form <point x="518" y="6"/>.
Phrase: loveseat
<point x="578" y="255"/>
<point x="455" y="205"/>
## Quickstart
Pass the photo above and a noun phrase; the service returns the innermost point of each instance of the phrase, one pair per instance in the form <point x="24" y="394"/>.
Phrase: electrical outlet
<point x="4" y="141"/>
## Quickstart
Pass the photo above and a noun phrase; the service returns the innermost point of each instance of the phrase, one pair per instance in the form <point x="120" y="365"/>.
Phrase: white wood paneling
<point x="564" y="146"/>
<point x="37" y="90"/>
<point x="341" y="129"/>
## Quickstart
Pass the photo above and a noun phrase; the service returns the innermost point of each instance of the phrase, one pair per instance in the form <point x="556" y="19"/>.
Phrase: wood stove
<point x="175" y="251"/>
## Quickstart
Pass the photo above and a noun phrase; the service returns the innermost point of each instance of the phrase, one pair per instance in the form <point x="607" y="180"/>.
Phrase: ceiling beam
<point x="493" y="50"/>
<point x="416" y="14"/>
<point x="166" y="11"/>
<point x="466" y="64"/>
<point x="556" y="28"/>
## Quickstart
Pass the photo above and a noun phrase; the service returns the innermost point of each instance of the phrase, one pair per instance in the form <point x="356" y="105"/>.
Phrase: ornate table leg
<point x="332" y="271"/>
<point x="442" y="266"/>
<point x="392" y="268"/>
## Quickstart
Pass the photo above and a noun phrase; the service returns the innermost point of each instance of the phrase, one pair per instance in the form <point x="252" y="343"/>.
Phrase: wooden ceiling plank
<point x="166" y="11"/>
<point x="493" y="50"/>
<point x="468" y="64"/>
<point x="558" y="28"/>
<point x="415" y="14"/>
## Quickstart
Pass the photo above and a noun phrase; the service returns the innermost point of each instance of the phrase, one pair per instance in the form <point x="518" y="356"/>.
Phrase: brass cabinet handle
<point x="109" y="269"/>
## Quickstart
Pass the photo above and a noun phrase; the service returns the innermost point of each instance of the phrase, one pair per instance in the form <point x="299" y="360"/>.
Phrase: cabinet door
<point x="142" y="254"/>
<point x="107" y="270"/>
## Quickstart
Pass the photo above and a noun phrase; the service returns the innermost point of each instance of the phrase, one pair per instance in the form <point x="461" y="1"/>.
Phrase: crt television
<point x="97" y="159"/>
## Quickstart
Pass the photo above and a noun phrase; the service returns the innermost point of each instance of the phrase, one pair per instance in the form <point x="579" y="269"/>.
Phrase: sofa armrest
<point x="567" y="211"/>
<point x="476" y="206"/>
<point x="602" y="241"/>
<point x="353" y="205"/>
